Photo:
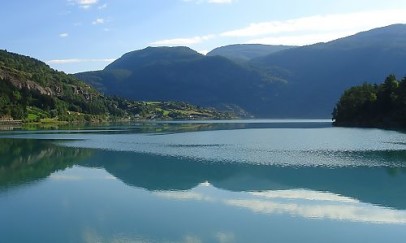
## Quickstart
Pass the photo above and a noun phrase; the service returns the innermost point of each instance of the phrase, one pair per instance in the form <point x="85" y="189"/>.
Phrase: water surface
<point x="236" y="181"/>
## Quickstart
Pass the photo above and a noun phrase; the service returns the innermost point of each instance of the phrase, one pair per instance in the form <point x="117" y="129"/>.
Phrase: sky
<point x="84" y="35"/>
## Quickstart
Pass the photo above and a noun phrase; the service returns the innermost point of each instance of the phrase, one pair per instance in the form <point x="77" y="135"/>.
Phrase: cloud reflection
<point x="297" y="203"/>
<point x="305" y="195"/>
<point x="342" y="212"/>
<point x="81" y="174"/>
<point x="184" y="195"/>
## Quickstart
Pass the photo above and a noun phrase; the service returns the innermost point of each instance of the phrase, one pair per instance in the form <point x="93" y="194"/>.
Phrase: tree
<point x="381" y="105"/>
<point x="356" y="104"/>
<point x="387" y="94"/>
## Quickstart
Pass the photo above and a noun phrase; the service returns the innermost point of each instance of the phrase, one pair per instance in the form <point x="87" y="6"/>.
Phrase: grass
<point x="32" y="117"/>
<point x="35" y="114"/>
<point x="50" y="120"/>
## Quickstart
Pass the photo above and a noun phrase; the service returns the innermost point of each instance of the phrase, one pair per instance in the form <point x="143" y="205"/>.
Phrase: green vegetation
<point x="370" y="105"/>
<point x="32" y="92"/>
<point x="169" y="110"/>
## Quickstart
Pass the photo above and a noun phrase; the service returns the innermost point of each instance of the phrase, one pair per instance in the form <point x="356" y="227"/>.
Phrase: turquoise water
<point x="235" y="181"/>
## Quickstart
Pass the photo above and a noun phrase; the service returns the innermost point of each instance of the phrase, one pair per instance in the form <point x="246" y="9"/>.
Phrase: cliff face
<point x="30" y="89"/>
<point x="42" y="79"/>
<point x="20" y="82"/>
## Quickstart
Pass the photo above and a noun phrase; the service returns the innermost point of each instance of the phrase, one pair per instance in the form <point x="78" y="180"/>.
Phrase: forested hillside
<point x="31" y="91"/>
<point x="372" y="105"/>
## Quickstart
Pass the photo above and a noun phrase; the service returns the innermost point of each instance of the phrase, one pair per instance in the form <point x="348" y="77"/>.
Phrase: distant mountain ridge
<point x="153" y="55"/>
<point x="182" y="74"/>
<point x="302" y="82"/>
<point x="319" y="73"/>
<point x="245" y="52"/>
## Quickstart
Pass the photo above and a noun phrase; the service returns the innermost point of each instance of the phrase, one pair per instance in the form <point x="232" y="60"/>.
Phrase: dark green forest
<point x="30" y="91"/>
<point x="373" y="105"/>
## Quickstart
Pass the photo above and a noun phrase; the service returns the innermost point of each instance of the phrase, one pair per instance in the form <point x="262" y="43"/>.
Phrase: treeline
<point x="373" y="105"/>
<point x="30" y="105"/>
<point x="30" y="91"/>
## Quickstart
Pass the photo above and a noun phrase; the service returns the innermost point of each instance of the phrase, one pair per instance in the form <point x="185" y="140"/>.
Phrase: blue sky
<point x="82" y="35"/>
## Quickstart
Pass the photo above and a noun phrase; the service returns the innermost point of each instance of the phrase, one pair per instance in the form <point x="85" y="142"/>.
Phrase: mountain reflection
<point x="24" y="161"/>
<point x="377" y="185"/>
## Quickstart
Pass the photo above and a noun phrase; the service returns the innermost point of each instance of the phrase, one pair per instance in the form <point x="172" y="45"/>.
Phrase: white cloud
<point x="322" y="23"/>
<point x="300" y="39"/>
<point x="98" y="21"/>
<point x="184" y="195"/>
<point x="102" y="6"/>
<point x="297" y="202"/>
<point x="183" y="41"/>
<point x="204" y="52"/>
<point x="318" y="205"/>
<point x="220" y="1"/>
<point x="318" y="28"/>
<point x="298" y="31"/>
<point x="77" y="60"/>
<point x="210" y="1"/>
<point x="343" y="212"/>
<point x="85" y="4"/>
<point x="304" y="195"/>
<point x="63" y="35"/>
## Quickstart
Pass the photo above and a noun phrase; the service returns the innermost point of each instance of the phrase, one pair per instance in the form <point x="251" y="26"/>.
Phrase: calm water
<point x="239" y="181"/>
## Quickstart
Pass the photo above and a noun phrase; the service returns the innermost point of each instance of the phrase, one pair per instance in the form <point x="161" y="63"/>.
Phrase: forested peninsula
<point x="373" y="105"/>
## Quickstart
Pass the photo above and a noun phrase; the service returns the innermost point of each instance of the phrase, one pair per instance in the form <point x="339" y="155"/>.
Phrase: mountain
<point x="301" y="82"/>
<point x="182" y="74"/>
<point x="245" y="52"/>
<point x="33" y="92"/>
<point x="318" y="74"/>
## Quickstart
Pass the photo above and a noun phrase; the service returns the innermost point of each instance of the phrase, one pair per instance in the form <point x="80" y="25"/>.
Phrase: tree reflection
<point x="23" y="160"/>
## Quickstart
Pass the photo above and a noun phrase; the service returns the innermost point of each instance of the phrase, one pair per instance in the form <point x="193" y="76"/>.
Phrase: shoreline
<point x="11" y="122"/>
